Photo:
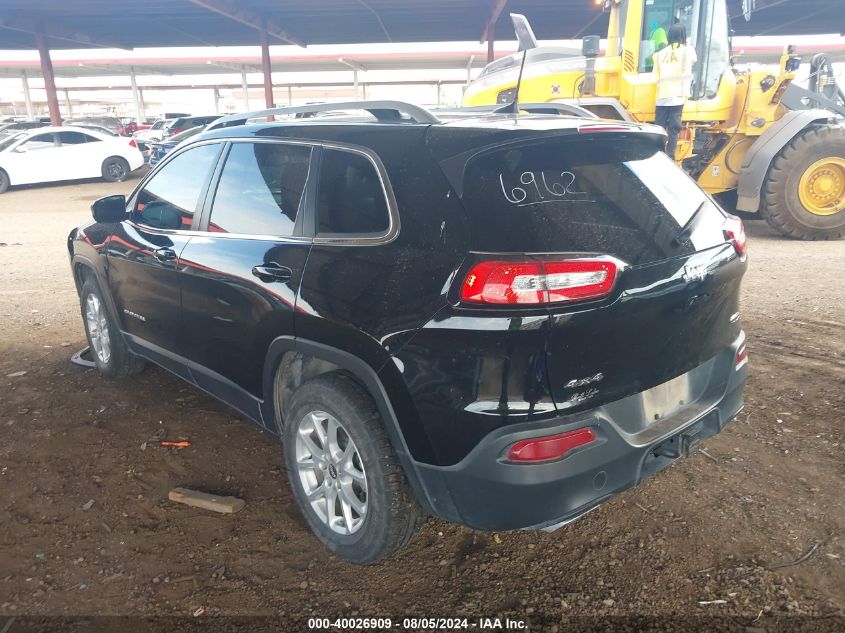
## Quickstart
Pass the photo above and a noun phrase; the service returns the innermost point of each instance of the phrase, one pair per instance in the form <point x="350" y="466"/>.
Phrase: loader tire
<point x="804" y="191"/>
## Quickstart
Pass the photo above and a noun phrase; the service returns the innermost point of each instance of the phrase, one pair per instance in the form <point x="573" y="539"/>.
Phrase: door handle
<point x="271" y="271"/>
<point x="165" y="254"/>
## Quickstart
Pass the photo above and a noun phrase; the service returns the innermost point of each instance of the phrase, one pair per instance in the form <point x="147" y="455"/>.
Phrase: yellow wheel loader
<point x="751" y="136"/>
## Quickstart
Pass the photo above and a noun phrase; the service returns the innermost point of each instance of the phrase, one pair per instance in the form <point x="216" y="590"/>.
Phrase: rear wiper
<point x="689" y="227"/>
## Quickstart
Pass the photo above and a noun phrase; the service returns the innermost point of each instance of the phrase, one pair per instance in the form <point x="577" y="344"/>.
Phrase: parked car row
<point x="50" y="154"/>
<point x="165" y="128"/>
<point x="157" y="150"/>
<point x="88" y="147"/>
<point x="170" y="124"/>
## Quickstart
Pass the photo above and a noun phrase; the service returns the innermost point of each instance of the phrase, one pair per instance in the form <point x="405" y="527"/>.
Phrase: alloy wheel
<point x="330" y="470"/>
<point x="98" y="328"/>
<point x="116" y="170"/>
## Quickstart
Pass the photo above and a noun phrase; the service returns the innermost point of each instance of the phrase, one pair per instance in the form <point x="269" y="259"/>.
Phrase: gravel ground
<point x="707" y="544"/>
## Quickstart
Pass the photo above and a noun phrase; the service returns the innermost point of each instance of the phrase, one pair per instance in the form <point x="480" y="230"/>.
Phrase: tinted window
<point x="620" y="197"/>
<point x="351" y="198"/>
<point x="260" y="189"/>
<point x="41" y="141"/>
<point x="75" y="138"/>
<point x="169" y="199"/>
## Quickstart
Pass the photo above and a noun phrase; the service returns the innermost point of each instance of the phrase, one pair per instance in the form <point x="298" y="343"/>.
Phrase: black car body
<point x="543" y="311"/>
<point x="111" y="123"/>
<point x="14" y="127"/>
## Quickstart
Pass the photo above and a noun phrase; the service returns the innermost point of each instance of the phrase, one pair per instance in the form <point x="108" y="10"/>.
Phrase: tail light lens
<point x="538" y="282"/>
<point x="132" y="143"/>
<point x="735" y="232"/>
<point x="741" y="357"/>
<point x="540" y="449"/>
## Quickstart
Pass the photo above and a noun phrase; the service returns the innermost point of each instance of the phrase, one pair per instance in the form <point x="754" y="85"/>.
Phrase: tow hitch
<point x="683" y="445"/>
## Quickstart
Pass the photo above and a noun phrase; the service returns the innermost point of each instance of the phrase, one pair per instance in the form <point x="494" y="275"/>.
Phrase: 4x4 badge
<point x="581" y="382"/>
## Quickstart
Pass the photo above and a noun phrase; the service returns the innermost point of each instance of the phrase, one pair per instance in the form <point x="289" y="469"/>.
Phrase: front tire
<point x="345" y="476"/>
<point x="804" y="192"/>
<point x="4" y="181"/>
<point x="108" y="349"/>
<point x="115" y="169"/>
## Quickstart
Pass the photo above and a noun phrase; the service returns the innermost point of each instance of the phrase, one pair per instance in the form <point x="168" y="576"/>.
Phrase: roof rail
<point x="550" y="107"/>
<point x="388" y="111"/>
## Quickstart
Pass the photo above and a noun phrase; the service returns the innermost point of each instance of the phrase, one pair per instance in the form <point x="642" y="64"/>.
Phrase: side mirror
<point x="21" y="149"/>
<point x="109" y="209"/>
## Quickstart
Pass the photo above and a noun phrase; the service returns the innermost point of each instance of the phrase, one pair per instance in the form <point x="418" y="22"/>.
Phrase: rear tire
<point x="115" y="169"/>
<point x="106" y="344"/>
<point x="4" y="181"/>
<point x="361" y="506"/>
<point x="787" y="181"/>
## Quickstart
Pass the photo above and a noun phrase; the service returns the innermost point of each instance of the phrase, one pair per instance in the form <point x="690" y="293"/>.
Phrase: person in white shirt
<point x="673" y="67"/>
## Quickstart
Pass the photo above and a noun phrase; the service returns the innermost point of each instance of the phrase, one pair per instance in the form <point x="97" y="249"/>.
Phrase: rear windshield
<point x="616" y="196"/>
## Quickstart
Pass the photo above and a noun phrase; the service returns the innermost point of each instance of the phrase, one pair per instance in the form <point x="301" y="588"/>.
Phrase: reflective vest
<point x="673" y="67"/>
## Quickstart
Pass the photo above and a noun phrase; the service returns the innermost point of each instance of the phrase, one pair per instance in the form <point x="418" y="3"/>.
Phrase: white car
<point x="48" y="154"/>
<point x="153" y="133"/>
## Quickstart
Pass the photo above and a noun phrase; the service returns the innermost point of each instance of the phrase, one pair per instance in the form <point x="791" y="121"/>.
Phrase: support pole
<point x="290" y="96"/>
<point x="27" y="97"/>
<point x="217" y="101"/>
<point x="245" y="88"/>
<point x="49" y="79"/>
<point x="491" y="39"/>
<point x="67" y="103"/>
<point x="139" y="107"/>
<point x="143" y="105"/>
<point x="266" y="68"/>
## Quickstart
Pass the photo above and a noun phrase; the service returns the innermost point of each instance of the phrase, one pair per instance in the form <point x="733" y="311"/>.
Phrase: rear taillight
<point x="741" y="357"/>
<point x="734" y="231"/>
<point x="132" y="143"/>
<point x="540" y="449"/>
<point x="538" y="282"/>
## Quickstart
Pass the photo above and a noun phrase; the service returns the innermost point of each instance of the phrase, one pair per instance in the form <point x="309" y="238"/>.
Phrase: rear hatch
<point x="614" y="200"/>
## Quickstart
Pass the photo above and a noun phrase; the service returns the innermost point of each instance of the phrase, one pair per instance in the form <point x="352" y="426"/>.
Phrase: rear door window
<point x="260" y="189"/>
<point x="351" y="199"/>
<point x="170" y="198"/>
<point x="75" y="138"/>
<point x="618" y="196"/>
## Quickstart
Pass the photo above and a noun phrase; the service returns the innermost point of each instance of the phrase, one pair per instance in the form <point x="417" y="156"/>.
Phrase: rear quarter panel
<point x="371" y="300"/>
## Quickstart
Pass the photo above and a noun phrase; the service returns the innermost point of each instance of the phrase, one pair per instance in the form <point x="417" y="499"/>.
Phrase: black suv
<point x="498" y="320"/>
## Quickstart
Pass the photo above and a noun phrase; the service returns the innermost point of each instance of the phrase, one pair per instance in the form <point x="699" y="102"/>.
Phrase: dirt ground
<point x="711" y="537"/>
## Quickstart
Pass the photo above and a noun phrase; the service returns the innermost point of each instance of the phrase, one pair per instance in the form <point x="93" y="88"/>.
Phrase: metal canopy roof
<point x="157" y="23"/>
<point x="314" y="59"/>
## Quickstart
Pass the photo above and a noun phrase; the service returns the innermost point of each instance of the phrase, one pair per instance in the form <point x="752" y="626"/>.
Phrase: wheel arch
<point x="332" y="359"/>
<point x="763" y="151"/>
<point x="82" y="268"/>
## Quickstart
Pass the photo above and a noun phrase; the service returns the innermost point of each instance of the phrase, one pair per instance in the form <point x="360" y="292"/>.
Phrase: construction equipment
<point x="751" y="136"/>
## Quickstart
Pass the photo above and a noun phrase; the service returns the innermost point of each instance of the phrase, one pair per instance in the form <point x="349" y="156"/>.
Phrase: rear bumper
<point x="486" y="491"/>
<point x="135" y="160"/>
